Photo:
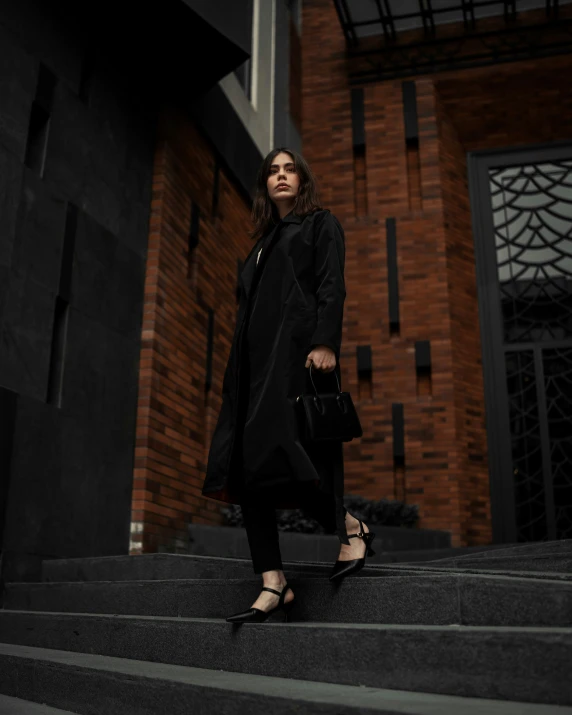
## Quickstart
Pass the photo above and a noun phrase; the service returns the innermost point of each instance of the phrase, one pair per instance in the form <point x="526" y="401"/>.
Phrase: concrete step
<point x="432" y="599"/>
<point x="173" y="566"/>
<point x="121" y="686"/>
<point x="181" y="566"/>
<point x="549" y="562"/>
<point x="17" y="706"/>
<point x="160" y="566"/>
<point x="397" y="557"/>
<point x="231" y="541"/>
<point x="521" y="664"/>
<point x="562" y="546"/>
<point x="480" y="570"/>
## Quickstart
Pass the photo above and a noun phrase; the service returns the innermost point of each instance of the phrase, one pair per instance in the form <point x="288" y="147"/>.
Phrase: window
<point x="244" y="76"/>
<point x="244" y="71"/>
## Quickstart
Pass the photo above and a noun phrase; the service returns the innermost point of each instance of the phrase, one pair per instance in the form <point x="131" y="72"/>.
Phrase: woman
<point x="292" y="294"/>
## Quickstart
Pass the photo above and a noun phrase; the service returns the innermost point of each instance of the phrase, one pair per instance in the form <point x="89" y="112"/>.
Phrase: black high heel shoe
<point x="257" y="615"/>
<point x="345" y="568"/>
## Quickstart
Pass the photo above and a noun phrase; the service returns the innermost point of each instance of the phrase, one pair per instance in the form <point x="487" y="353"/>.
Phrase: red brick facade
<point x="426" y="191"/>
<point x="176" y="417"/>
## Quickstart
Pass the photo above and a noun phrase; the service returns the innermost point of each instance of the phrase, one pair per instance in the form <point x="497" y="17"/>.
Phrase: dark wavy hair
<point x="264" y="212"/>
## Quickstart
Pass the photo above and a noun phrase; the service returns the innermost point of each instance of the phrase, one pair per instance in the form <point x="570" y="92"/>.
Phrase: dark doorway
<point x="521" y="203"/>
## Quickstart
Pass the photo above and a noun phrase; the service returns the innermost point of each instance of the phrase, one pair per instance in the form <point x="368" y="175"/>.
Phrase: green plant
<point x="382" y="512"/>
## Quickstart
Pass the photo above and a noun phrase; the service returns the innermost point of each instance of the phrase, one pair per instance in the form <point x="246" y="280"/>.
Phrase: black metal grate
<point x="437" y="50"/>
<point x="557" y="368"/>
<point x="526" y="447"/>
<point x="532" y="225"/>
<point x="532" y="216"/>
<point x="364" y="18"/>
<point x="540" y="405"/>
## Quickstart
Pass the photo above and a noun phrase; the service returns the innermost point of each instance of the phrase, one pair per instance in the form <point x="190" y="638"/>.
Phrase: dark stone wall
<point x="77" y="135"/>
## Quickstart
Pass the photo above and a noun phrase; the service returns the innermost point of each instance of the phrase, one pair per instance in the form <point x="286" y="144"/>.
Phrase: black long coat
<point x="290" y="302"/>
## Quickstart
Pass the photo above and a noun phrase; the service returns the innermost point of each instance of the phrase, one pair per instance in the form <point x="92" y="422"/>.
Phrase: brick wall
<point x="426" y="191"/>
<point x="510" y="105"/>
<point x="176" y="417"/>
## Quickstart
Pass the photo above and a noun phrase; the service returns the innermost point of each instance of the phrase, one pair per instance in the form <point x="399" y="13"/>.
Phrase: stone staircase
<point x="487" y="632"/>
<point x="393" y="543"/>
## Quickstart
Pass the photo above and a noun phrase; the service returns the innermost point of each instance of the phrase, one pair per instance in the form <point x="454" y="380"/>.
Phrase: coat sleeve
<point x="329" y="259"/>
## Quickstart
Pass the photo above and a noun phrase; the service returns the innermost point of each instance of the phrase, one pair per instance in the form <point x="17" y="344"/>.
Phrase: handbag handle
<point x="314" y="386"/>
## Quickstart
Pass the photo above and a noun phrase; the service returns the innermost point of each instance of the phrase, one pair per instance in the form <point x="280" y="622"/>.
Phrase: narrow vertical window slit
<point x="358" y="141"/>
<point x="409" y="95"/>
<point x="38" y="128"/>
<point x="364" y="370"/>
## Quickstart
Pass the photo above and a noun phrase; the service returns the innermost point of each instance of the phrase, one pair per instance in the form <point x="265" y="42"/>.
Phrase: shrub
<point x="382" y="512"/>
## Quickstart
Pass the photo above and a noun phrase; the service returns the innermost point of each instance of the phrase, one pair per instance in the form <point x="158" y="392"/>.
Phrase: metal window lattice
<point x="542" y="468"/>
<point x="532" y="215"/>
<point x="526" y="446"/>
<point x="532" y="225"/>
<point x="557" y="364"/>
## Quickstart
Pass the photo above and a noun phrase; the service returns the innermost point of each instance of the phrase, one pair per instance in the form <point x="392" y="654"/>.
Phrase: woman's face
<point x="283" y="182"/>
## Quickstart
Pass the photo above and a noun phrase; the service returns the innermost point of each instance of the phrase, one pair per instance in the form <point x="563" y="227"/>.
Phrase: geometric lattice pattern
<point x="448" y="34"/>
<point x="389" y="18"/>
<point x="526" y="443"/>
<point x="532" y="218"/>
<point x="532" y="215"/>
<point x="557" y="364"/>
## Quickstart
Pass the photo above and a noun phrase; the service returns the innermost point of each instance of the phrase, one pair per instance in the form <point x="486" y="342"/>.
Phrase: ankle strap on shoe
<point x="360" y="533"/>
<point x="272" y="590"/>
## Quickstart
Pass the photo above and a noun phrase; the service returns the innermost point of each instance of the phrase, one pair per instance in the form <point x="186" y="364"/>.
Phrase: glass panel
<point x="558" y="385"/>
<point x="526" y="447"/>
<point x="244" y="75"/>
<point x="244" y="72"/>
<point x="532" y="216"/>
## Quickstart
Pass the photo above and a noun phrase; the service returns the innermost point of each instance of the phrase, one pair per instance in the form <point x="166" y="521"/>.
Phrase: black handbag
<point x="327" y="416"/>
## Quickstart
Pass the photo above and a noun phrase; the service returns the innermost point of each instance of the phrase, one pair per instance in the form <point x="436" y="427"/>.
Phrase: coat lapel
<point x="249" y="267"/>
<point x="251" y="271"/>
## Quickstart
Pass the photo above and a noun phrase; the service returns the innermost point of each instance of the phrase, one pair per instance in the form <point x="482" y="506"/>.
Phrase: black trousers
<point x="258" y="510"/>
<point x="259" y="514"/>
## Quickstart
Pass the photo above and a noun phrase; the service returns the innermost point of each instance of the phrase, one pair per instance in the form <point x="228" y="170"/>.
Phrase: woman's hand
<point x="323" y="358"/>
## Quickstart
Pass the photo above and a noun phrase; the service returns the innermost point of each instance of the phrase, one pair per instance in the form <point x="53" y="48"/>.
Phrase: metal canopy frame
<point x="433" y="53"/>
